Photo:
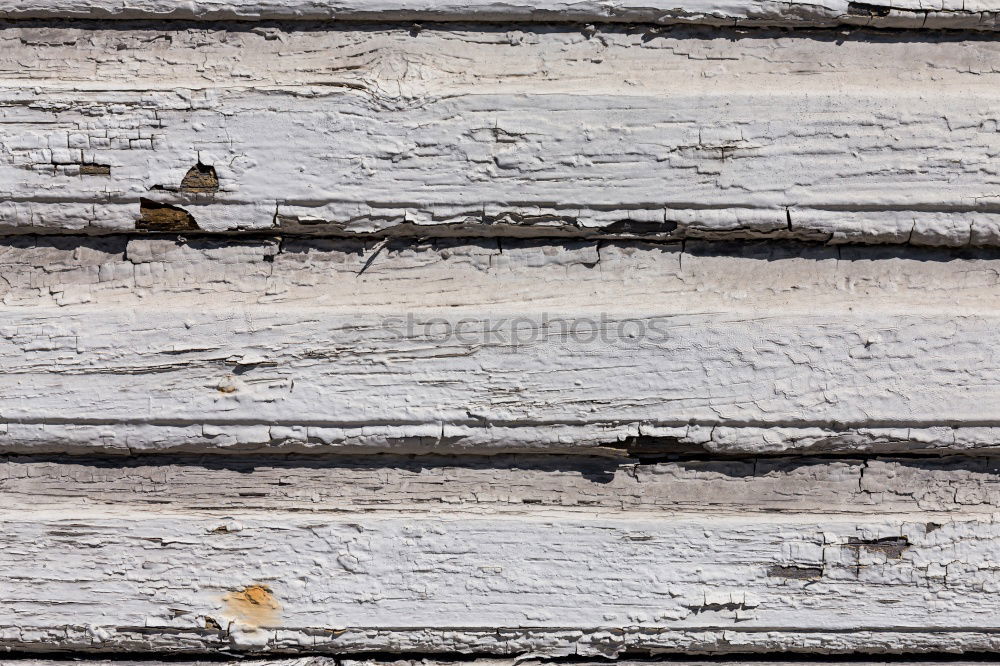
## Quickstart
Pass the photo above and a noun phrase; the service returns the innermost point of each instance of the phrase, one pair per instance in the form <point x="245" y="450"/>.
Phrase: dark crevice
<point x="795" y="572"/>
<point x="165" y="221"/>
<point x="730" y="606"/>
<point x="891" y="547"/>
<point x="866" y="9"/>
<point x="590" y="464"/>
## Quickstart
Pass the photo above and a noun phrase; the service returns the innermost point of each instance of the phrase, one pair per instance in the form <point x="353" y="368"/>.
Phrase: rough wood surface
<point x="154" y="344"/>
<point x="508" y="484"/>
<point x="765" y="435"/>
<point x="434" y="275"/>
<point x="865" y="136"/>
<point x="968" y="14"/>
<point x="538" y="583"/>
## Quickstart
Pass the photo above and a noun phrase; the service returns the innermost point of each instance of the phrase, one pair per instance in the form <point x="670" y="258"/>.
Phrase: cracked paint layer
<point x="320" y="343"/>
<point x="694" y="581"/>
<point x="647" y="329"/>
<point x="500" y="130"/>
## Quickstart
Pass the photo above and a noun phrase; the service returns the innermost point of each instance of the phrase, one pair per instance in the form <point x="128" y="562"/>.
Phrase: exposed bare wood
<point x="508" y="484"/>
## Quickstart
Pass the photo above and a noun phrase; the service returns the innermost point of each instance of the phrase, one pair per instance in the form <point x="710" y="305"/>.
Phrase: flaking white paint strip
<point x="500" y="132"/>
<point x="545" y="584"/>
<point x="289" y="369"/>
<point x="493" y="275"/>
<point x="339" y="164"/>
<point x="306" y="345"/>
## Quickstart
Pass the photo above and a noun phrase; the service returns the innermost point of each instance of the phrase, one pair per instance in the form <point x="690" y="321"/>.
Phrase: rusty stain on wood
<point x="254" y="605"/>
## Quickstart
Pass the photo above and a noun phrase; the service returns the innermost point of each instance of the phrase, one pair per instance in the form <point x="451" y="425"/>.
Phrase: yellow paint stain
<point x="254" y="606"/>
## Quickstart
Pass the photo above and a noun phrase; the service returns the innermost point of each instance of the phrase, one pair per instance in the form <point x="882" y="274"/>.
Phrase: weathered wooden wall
<point x="497" y="130"/>
<point x="397" y="332"/>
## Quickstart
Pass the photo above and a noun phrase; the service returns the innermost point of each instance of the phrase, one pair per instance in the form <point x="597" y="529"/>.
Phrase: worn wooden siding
<point x="398" y="332"/>
<point x="148" y="579"/>
<point x="424" y="554"/>
<point x="502" y="130"/>
<point x="512" y="484"/>
<point x="321" y="344"/>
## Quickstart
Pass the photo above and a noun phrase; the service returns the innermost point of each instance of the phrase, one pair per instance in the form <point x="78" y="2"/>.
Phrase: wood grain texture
<point x="508" y="484"/>
<point x="541" y="583"/>
<point x="979" y="15"/>
<point x="397" y="276"/>
<point x="870" y="137"/>
<point x="398" y="259"/>
<point x="158" y="344"/>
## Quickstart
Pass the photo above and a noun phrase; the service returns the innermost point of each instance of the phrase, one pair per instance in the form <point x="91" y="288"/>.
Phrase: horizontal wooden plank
<point x="284" y="367"/>
<point x="982" y="15"/>
<point x="147" y="580"/>
<point x="516" y="275"/>
<point x="395" y="65"/>
<point x="508" y="484"/>
<point x="318" y="345"/>
<point x="865" y="136"/>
